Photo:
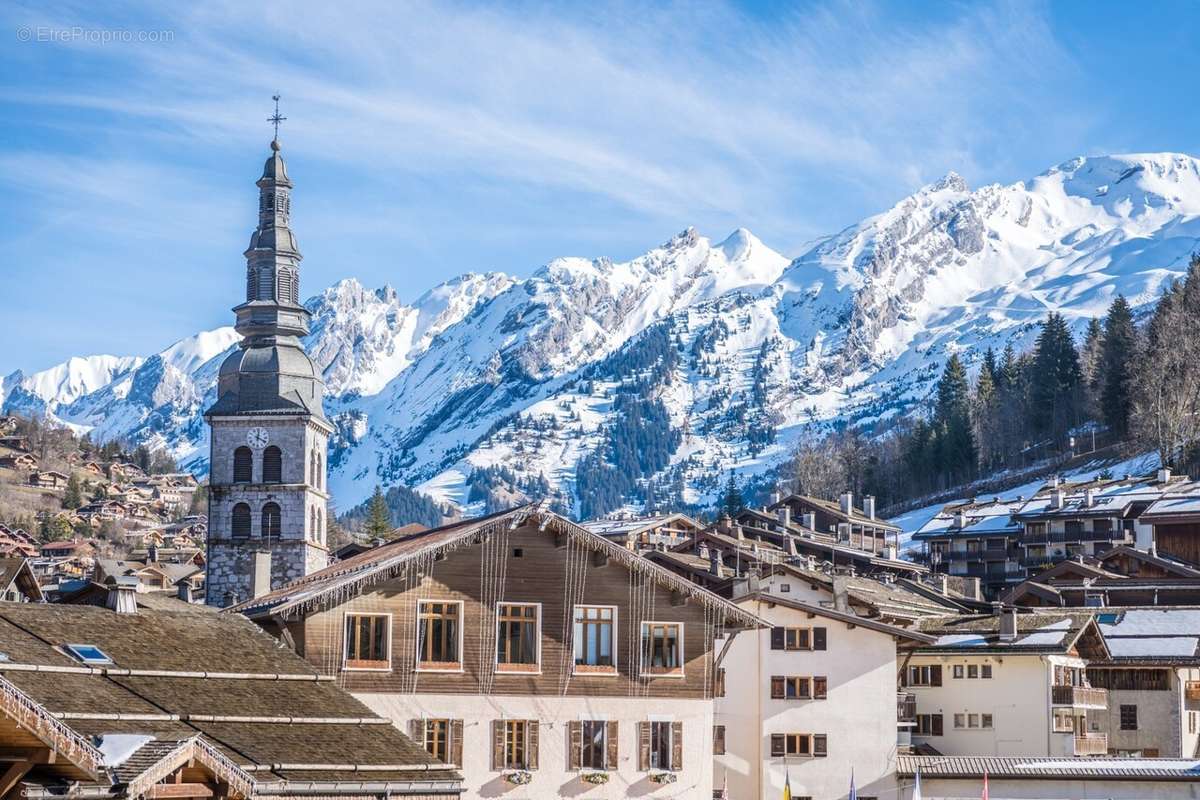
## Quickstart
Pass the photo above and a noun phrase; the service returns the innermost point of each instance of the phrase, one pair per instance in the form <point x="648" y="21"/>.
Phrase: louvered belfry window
<point x="243" y="465"/>
<point x="240" y="527"/>
<point x="272" y="465"/>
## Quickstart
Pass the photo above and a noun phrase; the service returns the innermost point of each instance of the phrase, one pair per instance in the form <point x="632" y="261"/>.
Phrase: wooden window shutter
<point x="611" y="742"/>
<point x="777" y="687"/>
<point x="778" y="745"/>
<point x="643" y="746"/>
<point x="818" y="638"/>
<point x="531" y="744"/>
<point x="718" y="740"/>
<point x="676" y="746"/>
<point x="776" y="638"/>
<point x="820" y="746"/>
<point x="497" y="744"/>
<point x="935" y="675"/>
<point x="820" y="687"/>
<point x="935" y="724"/>
<point x="574" y="744"/>
<point x="456" y="742"/>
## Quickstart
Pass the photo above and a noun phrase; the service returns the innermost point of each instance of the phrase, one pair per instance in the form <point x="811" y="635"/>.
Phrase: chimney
<point x="809" y="520"/>
<point x="869" y="506"/>
<point x="715" y="566"/>
<point x="1054" y="481"/>
<point x="847" y="502"/>
<point x="960" y="519"/>
<point x="724" y="524"/>
<point x="889" y="552"/>
<point x="972" y="587"/>
<point x="841" y="599"/>
<point x="775" y="498"/>
<point x="739" y="533"/>
<point x="785" y="516"/>
<point x="122" y="595"/>
<point x="262" y="574"/>
<point x="1089" y="497"/>
<point x="752" y="579"/>
<point x="1164" y="475"/>
<point x="1057" y="498"/>
<point x="184" y="588"/>
<point x="1008" y="623"/>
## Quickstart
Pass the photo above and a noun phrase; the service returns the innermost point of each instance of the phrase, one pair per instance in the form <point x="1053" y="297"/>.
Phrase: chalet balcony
<point x="1079" y="696"/>
<point x="906" y="708"/>
<point x="1091" y="744"/>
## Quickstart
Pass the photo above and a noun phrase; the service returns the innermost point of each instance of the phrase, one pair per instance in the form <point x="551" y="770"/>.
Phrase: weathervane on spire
<point x="275" y="119"/>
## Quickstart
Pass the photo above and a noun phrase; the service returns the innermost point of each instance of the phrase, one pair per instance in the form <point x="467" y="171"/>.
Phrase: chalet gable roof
<point x="849" y="619"/>
<point x="328" y="587"/>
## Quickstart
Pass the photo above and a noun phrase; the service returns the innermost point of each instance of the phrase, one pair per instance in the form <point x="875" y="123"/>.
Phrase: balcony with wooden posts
<point x="1091" y="744"/>
<point x="1079" y="696"/>
<point x="906" y="709"/>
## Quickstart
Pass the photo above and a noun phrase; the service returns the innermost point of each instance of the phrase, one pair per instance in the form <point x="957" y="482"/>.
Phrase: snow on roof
<point x="1154" y="622"/>
<point x="1047" y="635"/>
<point x="1150" y="646"/>
<point x="118" y="747"/>
<point x="961" y="640"/>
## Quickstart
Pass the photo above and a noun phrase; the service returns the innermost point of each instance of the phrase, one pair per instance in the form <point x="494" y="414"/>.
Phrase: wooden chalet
<point x="522" y="648"/>
<point x="663" y="531"/>
<point x="19" y="443"/>
<point x="1122" y="576"/>
<point x="18" y="583"/>
<point x="21" y="461"/>
<point x="215" y="709"/>
<point x="48" y="479"/>
<point x="852" y="526"/>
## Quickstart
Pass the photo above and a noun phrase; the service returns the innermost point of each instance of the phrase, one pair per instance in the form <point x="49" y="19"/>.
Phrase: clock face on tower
<point x="257" y="438"/>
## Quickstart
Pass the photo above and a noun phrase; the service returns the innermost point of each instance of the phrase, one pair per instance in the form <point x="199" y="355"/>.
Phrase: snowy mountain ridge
<point x="657" y="374"/>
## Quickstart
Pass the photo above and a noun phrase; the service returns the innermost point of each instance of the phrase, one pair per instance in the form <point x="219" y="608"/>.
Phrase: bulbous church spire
<point x="271" y="371"/>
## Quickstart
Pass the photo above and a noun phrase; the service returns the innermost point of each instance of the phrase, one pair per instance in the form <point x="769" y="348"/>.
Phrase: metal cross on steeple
<point x="275" y="119"/>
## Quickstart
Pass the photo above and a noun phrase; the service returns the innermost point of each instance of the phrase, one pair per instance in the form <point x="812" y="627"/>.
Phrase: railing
<point x="1091" y="744"/>
<point x="906" y="707"/>
<point x="1079" y="696"/>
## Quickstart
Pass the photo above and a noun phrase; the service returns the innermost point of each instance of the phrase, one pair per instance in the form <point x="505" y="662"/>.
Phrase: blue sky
<point x="427" y="140"/>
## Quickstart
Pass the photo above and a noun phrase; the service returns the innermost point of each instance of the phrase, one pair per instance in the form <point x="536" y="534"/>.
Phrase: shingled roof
<point x="329" y="586"/>
<point x="204" y="686"/>
<point x="1044" y="768"/>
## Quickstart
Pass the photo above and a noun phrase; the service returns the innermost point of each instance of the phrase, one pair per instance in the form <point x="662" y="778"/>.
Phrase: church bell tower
<point x="267" y="501"/>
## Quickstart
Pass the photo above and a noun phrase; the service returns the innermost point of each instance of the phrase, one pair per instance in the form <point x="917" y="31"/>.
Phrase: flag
<point x="787" y="787"/>
<point x="985" y="788"/>
<point x="916" y="792"/>
<point x="853" y="792"/>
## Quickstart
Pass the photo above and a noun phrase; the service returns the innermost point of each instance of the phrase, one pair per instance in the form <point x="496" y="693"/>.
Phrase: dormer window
<point x="87" y="654"/>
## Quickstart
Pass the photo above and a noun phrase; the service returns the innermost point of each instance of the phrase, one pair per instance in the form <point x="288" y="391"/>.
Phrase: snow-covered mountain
<point x="598" y="382"/>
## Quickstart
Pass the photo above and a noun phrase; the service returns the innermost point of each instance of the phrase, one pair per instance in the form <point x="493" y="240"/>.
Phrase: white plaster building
<point x="1008" y="685"/>
<point x="810" y="698"/>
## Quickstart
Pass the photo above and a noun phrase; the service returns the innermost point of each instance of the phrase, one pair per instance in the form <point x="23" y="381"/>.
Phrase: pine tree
<point x="1091" y="368"/>
<point x="985" y="407"/>
<point x="952" y="422"/>
<point x="379" y="521"/>
<point x="733" y="503"/>
<point x="1118" y="354"/>
<point x="1056" y="380"/>
<point x="73" y="497"/>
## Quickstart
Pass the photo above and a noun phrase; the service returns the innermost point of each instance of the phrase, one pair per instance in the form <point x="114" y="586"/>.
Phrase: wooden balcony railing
<point x="1079" y="696"/>
<point x="906" y="708"/>
<point x="1091" y="744"/>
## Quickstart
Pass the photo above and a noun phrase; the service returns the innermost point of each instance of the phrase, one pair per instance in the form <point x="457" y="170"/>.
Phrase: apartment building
<point x="536" y="656"/>
<point x="810" y="699"/>
<point x="1008" y="684"/>
<point x="975" y="539"/>
<point x="1086" y="518"/>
